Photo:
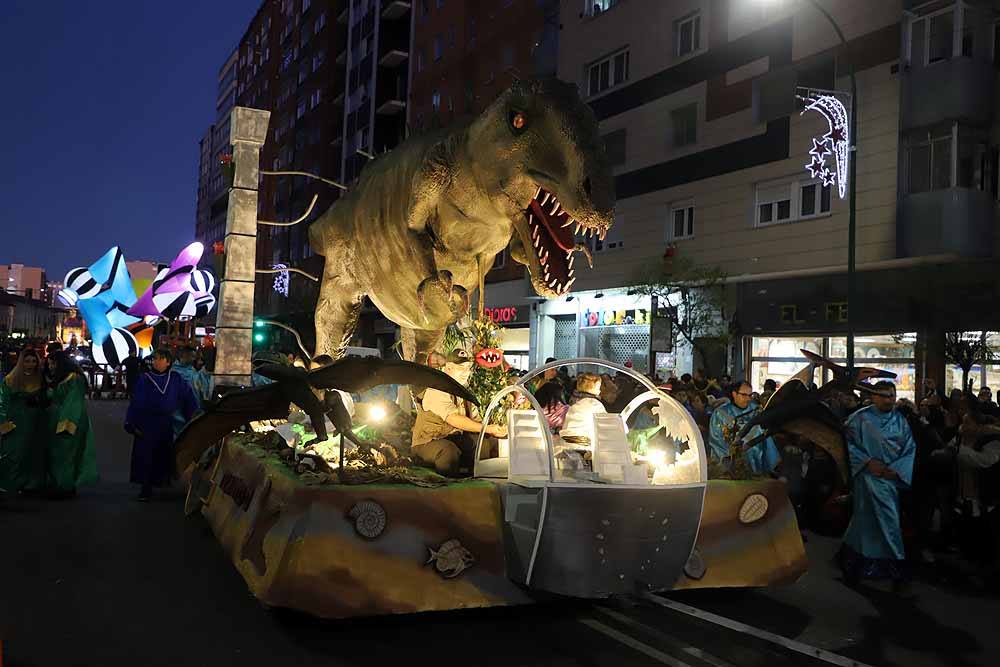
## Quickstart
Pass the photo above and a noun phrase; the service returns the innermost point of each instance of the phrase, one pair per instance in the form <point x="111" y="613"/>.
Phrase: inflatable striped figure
<point x="181" y="291"/>
<point x="103" y="293"/>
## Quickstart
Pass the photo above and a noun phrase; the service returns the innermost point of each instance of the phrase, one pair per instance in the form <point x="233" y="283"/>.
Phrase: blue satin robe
<point x="874" y="531"/>
<point x="151" y="413"/>
<point x="763" y="458"/>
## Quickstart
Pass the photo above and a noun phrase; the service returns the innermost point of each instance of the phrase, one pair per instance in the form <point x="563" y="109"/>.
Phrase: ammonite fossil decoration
<point x="369" y="518"/>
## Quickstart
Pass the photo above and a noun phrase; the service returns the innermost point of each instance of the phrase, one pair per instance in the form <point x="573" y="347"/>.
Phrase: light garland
<point x="836" y="141"/>
<point x="281" y="279"/>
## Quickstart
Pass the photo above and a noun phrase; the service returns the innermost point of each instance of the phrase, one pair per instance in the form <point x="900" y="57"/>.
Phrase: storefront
<point x="779" y="357"/>
<point x="610" y="324"/>
<point x="507" y="304"/>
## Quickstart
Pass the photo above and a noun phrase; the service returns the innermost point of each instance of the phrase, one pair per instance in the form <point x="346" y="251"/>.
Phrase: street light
<point x="851" y="202"/>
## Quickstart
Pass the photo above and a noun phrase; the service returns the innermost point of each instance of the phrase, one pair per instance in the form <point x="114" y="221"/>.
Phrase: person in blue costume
<point x="728" y="419"/>
<point x="158" y="395"/>
<point x="881" y="450"/>
<point x="197" y="380"/>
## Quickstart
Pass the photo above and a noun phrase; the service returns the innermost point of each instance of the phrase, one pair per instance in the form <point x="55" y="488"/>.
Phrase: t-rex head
<point x="546" y="156"/>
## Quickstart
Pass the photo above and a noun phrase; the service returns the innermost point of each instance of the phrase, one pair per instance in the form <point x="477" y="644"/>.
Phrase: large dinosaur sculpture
<point x="427" y="220"/>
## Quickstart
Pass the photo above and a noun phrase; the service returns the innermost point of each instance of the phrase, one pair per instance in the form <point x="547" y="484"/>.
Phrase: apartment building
<point x="210" y="210"/>
<point x="697" y="104"/>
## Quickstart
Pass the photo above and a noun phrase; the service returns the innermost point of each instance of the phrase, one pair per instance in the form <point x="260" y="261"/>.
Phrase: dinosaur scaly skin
<point x="426" y="219"/>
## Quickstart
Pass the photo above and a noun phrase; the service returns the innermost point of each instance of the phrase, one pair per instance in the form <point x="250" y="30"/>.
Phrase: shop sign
<point x="505" y="315"/>
<point x="606" y="318"/>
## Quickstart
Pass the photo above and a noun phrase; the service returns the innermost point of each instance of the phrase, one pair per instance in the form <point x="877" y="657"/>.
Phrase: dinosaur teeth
<point x="545" y="256"/>
<point x="569" y="221"/>
<point x="537" y="192"/>
<point x="546" y="275"/>
<point x="572" y="271"/>
<point x="545" y="198"/>
<point x="571" y="259"/>
<point x="577" y="230"/>
<point x="569" y="284"/>
<point x="604" y="233"/>
<point x="555" y="207"/>
<point x="553" y="283"/>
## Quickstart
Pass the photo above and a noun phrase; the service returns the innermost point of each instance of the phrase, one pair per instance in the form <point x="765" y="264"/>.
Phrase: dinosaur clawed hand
<point x="444" y="282"/>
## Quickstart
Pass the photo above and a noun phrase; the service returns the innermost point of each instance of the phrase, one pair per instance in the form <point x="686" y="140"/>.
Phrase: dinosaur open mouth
<point x="553" y="232"/>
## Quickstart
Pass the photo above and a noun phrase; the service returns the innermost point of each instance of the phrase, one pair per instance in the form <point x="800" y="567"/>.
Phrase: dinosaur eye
<point x="518" y="120"/>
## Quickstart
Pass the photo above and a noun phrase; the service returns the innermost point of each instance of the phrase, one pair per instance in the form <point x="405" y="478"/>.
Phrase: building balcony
<point x="391" y="107"/>
<point x="392" y="58"/>
<point x="395" y="10"/>
<point x="957" y="89"/>
<point x="956" y="221"/>
<point x="344" y="16"/>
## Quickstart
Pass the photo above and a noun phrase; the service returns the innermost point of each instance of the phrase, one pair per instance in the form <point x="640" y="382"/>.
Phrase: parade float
<point x="358" y="534"/>
<point x="334" y="518"/>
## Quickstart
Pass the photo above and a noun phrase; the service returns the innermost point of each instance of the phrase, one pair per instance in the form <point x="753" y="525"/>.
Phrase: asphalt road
<point x="104" y="581"/>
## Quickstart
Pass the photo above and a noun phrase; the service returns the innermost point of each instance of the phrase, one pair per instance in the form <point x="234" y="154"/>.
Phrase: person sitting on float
<point x="728" y="419"/>
<point x="442" y="434"/>
<point x="578" y="427"/>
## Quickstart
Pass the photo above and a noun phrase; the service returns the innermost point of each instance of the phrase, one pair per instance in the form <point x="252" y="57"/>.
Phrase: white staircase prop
<point x="529" y="457"/>
<point x="612" y="459"/>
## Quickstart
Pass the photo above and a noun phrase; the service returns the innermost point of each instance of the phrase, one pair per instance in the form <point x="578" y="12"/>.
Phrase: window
<point x="305" y="5"/>
<point x="300" y="110"/>
<point x="320" y="22"/>
<point x="685" y="125"/>
<point x="608" y="72"/>
<point x="437" y="47"/>
<point x="420" y="60"/>
<point x="303" y="72"/>
<point x="451" y="37"/>
<point x="507" y="55"/>
<point x="315" y="98"/>
<point x="598" y="7"/>
<point x="939" y="36"/>
<point x="318" y="59"/>
<point x="501" y="259"/>
<point x="687" y="34"/>
<point x="681" y="224"/>
<point x="787" y="201"/>
<point x="930" y="163"/>
<point x="614" y="146"/>
<point x="439" y="4"/>
<point x="615" y="238"/>
<point x="436" y="100"/>
<point x="472" y="30"/>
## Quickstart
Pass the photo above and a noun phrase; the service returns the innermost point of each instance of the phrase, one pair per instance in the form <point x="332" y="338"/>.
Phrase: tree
<point x="692" y="297"/>
<point x="966" y="349"/>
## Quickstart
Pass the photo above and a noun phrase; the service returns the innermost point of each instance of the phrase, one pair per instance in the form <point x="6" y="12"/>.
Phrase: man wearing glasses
<point x="728" y="419"/>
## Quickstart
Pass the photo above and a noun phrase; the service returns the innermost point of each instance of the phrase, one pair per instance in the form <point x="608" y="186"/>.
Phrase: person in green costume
<point x="72" y="460"/>
<point x="22" y="420"/>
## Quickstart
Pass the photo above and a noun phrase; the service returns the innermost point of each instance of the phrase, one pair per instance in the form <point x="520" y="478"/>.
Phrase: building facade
<point x="26" y="281"/>
<point x="697" y="103"/>
<point x="210" y="211"/>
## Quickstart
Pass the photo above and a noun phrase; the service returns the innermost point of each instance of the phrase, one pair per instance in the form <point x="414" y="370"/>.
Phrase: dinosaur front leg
<point x="337" y="312"/>
<point x="418" y="344"/>
<point x="442" y="284"/>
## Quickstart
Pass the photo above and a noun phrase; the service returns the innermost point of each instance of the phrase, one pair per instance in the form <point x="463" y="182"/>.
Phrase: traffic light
<point x="259" y="335"/>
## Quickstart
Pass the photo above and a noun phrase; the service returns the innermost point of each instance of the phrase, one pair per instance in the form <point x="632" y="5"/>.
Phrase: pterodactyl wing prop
<point x="796" y="410"/>
<point x="305" y="389"/>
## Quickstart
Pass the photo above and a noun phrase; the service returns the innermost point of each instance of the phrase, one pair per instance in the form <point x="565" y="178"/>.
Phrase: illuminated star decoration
<point x="281" y="279"/>
<point x="835" y="142"/>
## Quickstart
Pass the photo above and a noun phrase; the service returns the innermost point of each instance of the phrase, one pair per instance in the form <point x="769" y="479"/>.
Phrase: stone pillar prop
<point x="234" y="319"/>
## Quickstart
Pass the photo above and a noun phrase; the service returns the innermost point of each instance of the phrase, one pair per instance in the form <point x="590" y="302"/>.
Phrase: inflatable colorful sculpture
<point x="103" y="292"/>
<point x="181" y="291"/>
<point x="120" y="323"/>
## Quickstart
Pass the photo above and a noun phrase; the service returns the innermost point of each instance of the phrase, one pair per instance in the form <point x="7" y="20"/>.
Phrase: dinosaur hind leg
<point x="337" y="313"/>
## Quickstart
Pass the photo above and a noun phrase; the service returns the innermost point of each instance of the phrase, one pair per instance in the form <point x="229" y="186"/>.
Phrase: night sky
<point x="103" y="106"/>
